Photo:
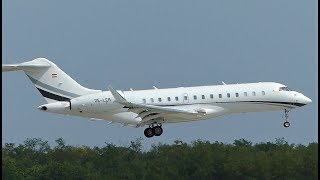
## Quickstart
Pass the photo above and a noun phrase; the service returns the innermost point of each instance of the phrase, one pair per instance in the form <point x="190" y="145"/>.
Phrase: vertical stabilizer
<point x="50" y="80"/>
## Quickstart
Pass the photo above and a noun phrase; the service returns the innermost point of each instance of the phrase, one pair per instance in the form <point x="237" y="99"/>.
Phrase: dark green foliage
<point x="35" y="159"/>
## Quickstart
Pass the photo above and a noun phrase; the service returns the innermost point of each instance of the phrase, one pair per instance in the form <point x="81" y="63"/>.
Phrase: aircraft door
<point x="185" y="98"/>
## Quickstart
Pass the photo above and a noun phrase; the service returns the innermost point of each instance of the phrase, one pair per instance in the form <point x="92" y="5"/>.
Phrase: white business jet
<point x="154" y="107"/>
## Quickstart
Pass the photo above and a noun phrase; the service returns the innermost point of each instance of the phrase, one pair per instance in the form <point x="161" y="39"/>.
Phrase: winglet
<point x="118" y="98"/>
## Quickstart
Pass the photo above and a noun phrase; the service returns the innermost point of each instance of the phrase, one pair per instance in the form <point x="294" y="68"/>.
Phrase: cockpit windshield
<point x="284" y="89"/>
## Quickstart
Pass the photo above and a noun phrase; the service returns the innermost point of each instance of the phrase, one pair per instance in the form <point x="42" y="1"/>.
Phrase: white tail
<point x="50" y="80"/>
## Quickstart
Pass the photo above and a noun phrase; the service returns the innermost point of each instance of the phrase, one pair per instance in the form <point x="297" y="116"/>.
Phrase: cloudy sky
<point x="138" y="44"/>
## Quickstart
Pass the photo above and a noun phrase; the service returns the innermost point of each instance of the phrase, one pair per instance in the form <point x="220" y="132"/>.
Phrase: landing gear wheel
<point x="148" y="132"/>
<point x="157" y="130"/>
<point x="286" y="124"/>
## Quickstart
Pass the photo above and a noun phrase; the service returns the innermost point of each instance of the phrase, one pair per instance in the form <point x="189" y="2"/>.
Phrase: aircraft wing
<point x="149" y="112"/>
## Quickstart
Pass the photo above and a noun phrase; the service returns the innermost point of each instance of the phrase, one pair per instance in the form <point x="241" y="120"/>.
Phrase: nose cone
<point x="304" y="99"/>
<point x="307" y="100"/>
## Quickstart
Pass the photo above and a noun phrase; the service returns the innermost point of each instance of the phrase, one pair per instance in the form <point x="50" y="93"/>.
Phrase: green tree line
<point x="35" y="159"/>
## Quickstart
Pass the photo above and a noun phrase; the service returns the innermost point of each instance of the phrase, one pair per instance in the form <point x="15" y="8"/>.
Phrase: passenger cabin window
<point x="159" y="99"/>
<point x="237" y="94"/>
<point x="211" y="96"/>
<point x="263" y="93"/>
<point x="203" y="97"/>
<point x="245" y="94"/>
<point x="177" y="98"/>
<point x="220" y="95"/>
<point x="168" y="98"/>
<point x="228" y="95"/>
<point x="144" y="101"/>
<point x="151" y="99"/>
<point x="185" y="97"/>
<point x="253" y="93"/>
<point x="195" y="97"/>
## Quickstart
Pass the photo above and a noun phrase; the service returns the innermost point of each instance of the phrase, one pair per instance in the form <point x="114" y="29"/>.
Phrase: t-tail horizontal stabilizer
<point x="24" y="66"/>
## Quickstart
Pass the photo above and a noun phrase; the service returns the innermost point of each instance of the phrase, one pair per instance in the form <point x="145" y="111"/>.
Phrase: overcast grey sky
<point x="138" y="44"/>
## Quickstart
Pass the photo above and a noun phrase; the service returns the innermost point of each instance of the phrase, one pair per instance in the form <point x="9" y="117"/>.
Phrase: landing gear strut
<point x="153" y="130"/>
<point x="286" y="118"/>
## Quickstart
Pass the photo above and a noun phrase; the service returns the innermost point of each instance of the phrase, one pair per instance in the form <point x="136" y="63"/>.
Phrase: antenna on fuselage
<point x="224" y="83"/>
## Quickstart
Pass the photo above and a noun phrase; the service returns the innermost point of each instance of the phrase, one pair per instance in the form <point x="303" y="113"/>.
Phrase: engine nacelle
<point x="56" y="107"/>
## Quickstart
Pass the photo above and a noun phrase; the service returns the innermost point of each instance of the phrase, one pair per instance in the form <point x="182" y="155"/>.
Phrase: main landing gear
<point x="286" y="118"/>
<point x="153" y="130"/>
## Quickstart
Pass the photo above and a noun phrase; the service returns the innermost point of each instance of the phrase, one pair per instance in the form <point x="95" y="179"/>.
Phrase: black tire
<point x="286" y="124"/>
<point x="157" y="130"/>
<point x="149" y="132"/>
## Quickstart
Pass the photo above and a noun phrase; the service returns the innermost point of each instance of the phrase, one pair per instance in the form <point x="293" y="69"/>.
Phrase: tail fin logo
<point x="54" y="75"/>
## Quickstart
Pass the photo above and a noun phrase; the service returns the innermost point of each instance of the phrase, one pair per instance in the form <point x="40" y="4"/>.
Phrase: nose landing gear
<point x="153" y="130"/>
<point x="286" y="118"/>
